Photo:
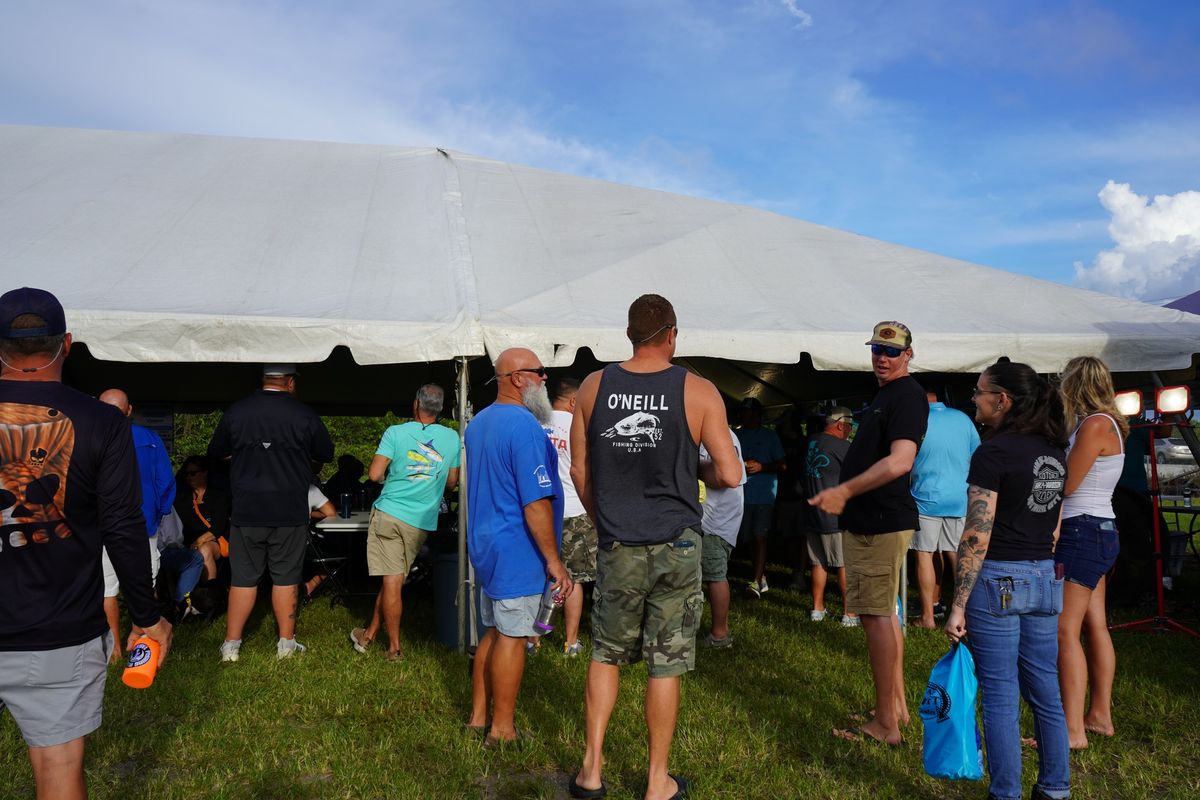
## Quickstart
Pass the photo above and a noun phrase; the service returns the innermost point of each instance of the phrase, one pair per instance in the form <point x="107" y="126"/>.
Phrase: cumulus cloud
<point x="1157" y="252"/>
<point x="803" y="18"/>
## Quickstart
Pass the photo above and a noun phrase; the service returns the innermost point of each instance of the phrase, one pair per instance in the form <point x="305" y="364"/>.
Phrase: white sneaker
<point x="850" y="622"/>
<point x="230" y="649"/>
<point x="762" y="586"/>
<point x="286" y="647"/>
<point x="817" y="616"/>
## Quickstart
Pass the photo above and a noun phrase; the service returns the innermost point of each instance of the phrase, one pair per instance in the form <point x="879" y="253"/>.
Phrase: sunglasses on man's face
<point x="886" y="350"/>
<point x="539" y="371"/>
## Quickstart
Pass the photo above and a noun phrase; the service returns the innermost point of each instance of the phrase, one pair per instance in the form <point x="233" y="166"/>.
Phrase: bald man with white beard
<point x="514" y="531"/>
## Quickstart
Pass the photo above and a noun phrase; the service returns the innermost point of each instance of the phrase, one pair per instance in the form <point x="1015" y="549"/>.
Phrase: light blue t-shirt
<point x="510" y="464"/>
<point x="762" y="445"/>
<point x="939" y="474"/>
<point x="422" y="456"/>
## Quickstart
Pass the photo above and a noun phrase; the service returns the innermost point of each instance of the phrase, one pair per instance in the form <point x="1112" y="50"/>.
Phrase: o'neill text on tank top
<point x="638" y="402"/>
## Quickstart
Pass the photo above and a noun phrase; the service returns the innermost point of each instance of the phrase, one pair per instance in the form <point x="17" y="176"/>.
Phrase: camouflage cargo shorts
<point x="579" y="548"/>
<point x="647" y="605"/>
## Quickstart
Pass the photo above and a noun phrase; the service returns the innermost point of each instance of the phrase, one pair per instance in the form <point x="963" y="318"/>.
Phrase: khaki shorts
<point x="826" y="549"/>
<point x="392" y="544"/>
<point x="647" y="605"/>
<point x="714" y="558"/>
<point x="873" y="571"/>
<point x="579" y="548"/>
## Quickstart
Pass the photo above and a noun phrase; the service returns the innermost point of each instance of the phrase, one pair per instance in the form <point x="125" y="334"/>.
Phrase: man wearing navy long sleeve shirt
<point x="68" y="487"/>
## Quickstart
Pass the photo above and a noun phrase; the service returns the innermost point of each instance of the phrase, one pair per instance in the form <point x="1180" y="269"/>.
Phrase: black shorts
<point x="280" y="549"/>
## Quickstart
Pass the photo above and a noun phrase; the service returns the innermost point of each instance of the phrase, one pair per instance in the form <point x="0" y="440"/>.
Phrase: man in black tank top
<point x="635" y="443"/>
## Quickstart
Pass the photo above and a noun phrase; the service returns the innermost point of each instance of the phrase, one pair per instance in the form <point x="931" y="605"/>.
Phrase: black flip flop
<point x="577" y="791"/>
<point x="682" y="783"/>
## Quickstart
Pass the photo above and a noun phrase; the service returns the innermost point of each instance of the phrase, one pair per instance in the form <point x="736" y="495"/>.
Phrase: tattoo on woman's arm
<point x="972" y="549"/>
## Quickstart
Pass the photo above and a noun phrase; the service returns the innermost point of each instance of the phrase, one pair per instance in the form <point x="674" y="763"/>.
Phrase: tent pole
<point x="464" y="595"/>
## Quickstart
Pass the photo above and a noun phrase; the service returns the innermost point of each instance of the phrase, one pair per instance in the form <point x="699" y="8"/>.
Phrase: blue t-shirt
<point x="510" y="464"/>
<point x="762" y="445"/>
<point x="939" y="474"/>
<point x="158" y="481"/>
<point x="422" y="457"/>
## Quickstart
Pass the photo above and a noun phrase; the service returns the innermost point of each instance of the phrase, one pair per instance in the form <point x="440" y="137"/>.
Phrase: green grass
<point x="754" y="721"/>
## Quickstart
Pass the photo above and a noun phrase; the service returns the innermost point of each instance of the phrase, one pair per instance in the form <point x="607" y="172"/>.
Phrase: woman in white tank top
<point x="1088" y="545"/>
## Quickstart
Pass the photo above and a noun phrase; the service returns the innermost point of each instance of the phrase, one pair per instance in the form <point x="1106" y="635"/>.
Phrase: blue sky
<point x="1058" y="139"/>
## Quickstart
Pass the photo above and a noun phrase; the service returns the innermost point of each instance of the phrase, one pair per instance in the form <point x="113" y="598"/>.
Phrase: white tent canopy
<point x="167" y="247"/>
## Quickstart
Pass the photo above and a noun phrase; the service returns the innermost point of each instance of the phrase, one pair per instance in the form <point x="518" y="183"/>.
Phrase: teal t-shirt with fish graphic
<point x="422" y="456"/>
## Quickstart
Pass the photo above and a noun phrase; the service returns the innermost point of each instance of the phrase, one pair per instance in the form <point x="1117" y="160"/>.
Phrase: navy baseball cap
<point x="39" y="302"/>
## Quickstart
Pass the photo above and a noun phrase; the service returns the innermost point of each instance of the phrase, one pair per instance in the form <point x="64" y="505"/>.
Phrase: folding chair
<point x="320" y="552"/>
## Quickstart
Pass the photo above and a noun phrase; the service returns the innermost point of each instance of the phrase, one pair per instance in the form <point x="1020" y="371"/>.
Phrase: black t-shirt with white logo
<point x="1028" y="475"/>
<point x="899" y="411"/>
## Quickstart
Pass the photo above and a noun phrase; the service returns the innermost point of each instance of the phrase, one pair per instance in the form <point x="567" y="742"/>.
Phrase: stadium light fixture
<point x="1129" y="403"/>
<point x="1172" y="400"/>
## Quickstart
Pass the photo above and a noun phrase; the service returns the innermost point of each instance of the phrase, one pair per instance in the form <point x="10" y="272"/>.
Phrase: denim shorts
<point x="1087" y="549"/>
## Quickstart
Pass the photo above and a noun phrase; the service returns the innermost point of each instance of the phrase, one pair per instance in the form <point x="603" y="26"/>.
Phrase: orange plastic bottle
<point x="142" y="664"/>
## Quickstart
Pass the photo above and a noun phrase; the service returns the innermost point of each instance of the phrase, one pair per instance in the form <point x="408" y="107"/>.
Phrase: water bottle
<point x="345" y="506"/>
<point x="1187" y="497"/>
<point x="550" y="601"/>
<point x="142" y="664"/>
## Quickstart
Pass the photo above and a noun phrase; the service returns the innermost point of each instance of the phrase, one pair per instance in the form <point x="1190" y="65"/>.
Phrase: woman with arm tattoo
<point x="1006" y="595"/>
<point x="1089" y="545"/>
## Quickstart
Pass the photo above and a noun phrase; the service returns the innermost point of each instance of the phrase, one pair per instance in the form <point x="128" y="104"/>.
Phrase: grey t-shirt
<point x="823" y="470"/>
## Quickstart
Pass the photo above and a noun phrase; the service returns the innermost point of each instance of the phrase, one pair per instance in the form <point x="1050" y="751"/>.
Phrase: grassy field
<point x="754" y="723"/>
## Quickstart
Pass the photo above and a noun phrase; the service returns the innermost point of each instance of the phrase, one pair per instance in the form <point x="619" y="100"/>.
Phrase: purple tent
<point x="1189" y="303"/>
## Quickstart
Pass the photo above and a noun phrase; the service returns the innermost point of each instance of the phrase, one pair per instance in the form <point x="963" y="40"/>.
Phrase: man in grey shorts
<point x="513" y="532"/>
<point x="722" y="519"/>
<point x="823" y="469"/>
<point x="69" y="485"/>
<point x="939" y="487"/>
<point x="272" y="439"/>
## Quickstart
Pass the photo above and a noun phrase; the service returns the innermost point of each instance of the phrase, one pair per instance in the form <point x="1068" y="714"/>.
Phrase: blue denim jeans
<point x="1015" y="644"/>
<point x="187" y="564"/>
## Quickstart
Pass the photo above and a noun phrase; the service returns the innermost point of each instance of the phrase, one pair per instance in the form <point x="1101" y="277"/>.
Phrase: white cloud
<point x="804" y="19"/>
<point x="1157" y="253"/>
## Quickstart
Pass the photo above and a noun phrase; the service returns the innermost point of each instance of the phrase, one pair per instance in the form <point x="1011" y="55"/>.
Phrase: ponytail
<point x="1037" y="407"/>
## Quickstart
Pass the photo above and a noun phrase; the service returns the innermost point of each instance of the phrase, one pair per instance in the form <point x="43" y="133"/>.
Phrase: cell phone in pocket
<point x="1060" y="571"/>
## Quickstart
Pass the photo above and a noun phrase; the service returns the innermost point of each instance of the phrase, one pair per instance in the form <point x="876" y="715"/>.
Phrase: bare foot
<point x="927" y="624"/>
<point x="1099" y="727"/>
<point x="868" y="714"/>
<point x="861" y="735"/>
<point x="1029" y="742"/>
<point x="1078" y="744"/>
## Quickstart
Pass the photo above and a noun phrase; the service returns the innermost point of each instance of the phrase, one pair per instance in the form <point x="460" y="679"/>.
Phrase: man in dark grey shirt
<point x="823" y="470"/>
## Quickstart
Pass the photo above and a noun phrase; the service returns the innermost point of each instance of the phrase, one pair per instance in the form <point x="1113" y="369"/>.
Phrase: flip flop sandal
<point x="682" y="784"/>
<point x="857" y="734"/>
<point x="577" y="791"/>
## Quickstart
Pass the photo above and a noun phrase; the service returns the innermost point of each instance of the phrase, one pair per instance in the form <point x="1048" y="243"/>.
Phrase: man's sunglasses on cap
<point x="886" y="350"/>
<point x="539" y="371"/>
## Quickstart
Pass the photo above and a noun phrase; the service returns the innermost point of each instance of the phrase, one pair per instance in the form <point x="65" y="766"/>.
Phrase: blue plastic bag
<point x="952" y="745"/>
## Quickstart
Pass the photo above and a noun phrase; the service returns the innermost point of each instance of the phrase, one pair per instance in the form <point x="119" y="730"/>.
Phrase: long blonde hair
<point x="1087" y="388"/>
